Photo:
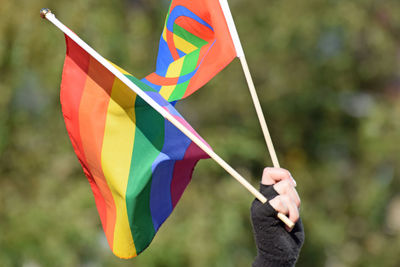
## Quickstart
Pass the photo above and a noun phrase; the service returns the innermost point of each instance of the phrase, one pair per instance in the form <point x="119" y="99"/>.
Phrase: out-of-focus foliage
<point x="328" y="76"/>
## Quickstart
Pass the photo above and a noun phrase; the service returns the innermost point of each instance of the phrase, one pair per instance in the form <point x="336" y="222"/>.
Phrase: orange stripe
<point x="203" y="54"/>
<point x="159" y="80"/>
<point x="92" y="118"/>
<point x="195" y="28"/>
<point x="171" y="45"/>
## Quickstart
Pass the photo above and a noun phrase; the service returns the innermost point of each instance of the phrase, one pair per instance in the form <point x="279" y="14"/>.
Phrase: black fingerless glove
<point x="275" y="245"/>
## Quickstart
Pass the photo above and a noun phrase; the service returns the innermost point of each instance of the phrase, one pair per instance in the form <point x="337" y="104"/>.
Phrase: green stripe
<point x="191" y="38"/>
<point x="140" y="84"/>
<point x="189" y="65"/>
<point x="190" y="62"/>
<point x="149" y="140"/>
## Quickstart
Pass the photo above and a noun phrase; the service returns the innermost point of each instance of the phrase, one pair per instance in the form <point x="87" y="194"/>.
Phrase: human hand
<point x="277" y="245"/>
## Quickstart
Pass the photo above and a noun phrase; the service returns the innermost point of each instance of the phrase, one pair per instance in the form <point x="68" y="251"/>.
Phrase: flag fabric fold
<point x="194" y="46"/>
<point x="137" y="163"/>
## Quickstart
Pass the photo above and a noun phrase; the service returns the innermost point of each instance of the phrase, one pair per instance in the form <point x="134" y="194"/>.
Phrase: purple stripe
<point x="183" y="171"/>
<point x="158" y="98"/>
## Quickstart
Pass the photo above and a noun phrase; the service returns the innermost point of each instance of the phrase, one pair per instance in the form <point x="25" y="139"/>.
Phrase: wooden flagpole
<point x="240" y="54"/>
<point x="46" y="13"/>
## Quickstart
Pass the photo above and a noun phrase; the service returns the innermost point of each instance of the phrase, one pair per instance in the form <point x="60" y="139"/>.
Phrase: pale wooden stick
<point x="240" y="54"/>
<point x="259" y="112"/>
<point x="50" y="16"/>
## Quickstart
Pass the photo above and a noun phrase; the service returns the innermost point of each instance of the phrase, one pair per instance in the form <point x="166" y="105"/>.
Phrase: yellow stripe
<point x="120" y="69"/>
<point x="166" y="91"/>
<point x="116" y="159"/>
<point x="183" y="45"/>
<point x="174" y="70"/>
<point x="180" y="43"/>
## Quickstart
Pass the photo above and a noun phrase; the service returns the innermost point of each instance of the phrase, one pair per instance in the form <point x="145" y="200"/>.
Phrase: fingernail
<point x="295" y="184"/>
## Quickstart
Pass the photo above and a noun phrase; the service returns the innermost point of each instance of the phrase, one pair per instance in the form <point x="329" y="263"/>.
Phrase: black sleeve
<point x="275" y="245"/>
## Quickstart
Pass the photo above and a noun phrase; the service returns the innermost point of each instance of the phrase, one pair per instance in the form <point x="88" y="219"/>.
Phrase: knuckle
<point x="281" y="203"/>
<point x="278" y="201"/>
<point x="266" y="177"/>
<point x="286" y="173"/>
<point x="287" y="198"/>
<point x="266" y="170"/>
<point x="286" y="185"/>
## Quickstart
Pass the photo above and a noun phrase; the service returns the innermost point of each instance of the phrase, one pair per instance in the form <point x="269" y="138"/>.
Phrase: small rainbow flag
<point x="137" y="163"/>
<point x="195" y="45"/>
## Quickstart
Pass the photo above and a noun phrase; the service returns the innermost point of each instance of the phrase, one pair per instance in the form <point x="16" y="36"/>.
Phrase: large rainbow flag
<point x="138" y="164"/>
<point x="194" y="46"/>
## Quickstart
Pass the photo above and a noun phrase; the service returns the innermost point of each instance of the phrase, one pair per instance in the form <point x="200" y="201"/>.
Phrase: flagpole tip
<point x="44" y="12"/>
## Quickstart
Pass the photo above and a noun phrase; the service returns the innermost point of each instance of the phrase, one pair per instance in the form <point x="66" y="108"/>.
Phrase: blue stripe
<point x="158" y="98"/>
<point x="173" y="111"/>
<point x="180" y="53"/>
<point x="164" y="58"/>
<point x="181" y="11"/>
<point x="157" y="87"/>
<point x="175" y="146"/>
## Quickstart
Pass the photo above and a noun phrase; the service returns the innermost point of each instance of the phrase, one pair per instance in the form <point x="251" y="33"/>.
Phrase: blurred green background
<point x="328" y="76"/>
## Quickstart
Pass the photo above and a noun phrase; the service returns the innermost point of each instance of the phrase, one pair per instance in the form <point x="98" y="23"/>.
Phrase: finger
<point x="293" y="210"/>
<point x="273" y="175"/>
<point x="286" y="187"/>
<point x="284" y="204"/>
<point x="279" y="205"/>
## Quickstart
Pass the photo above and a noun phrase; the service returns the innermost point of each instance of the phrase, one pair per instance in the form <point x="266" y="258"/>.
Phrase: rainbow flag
<point x="137" y="163"/>
<point x="194" y="46"/>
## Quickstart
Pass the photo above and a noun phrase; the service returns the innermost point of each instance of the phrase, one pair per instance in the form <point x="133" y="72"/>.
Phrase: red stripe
<point x="73" y="82"/>
<point x="75" y="87"/>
